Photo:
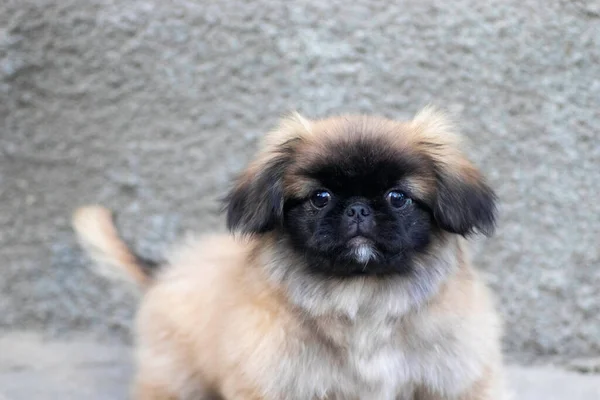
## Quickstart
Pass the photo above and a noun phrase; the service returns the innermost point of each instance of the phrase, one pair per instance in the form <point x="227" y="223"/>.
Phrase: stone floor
<point x="31" y="368"/>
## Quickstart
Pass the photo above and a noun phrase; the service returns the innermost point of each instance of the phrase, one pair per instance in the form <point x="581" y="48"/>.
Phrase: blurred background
<point x="150" y="107"/>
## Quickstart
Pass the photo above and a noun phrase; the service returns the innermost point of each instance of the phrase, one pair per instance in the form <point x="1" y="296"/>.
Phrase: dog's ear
<point x="255" y="204"/>
<point x="463" y="201"/>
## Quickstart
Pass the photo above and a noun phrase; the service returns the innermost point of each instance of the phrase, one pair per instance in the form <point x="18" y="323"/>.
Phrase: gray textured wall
<point x="150" y="107"/>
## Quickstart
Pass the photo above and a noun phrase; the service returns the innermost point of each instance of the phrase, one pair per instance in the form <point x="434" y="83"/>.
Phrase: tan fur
<point x="231" y="316"/>
<point x="99" y="237"/>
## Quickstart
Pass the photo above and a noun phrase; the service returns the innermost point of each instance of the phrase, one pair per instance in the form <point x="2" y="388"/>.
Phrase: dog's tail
<point x="97" y="234"/>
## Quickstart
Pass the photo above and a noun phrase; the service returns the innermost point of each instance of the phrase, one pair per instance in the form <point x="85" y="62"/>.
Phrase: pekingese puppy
<point x="350" y="278"/>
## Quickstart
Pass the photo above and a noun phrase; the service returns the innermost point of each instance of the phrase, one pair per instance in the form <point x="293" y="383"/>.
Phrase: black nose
<point x="359" y="219"/>
<point x="358" y="210"/>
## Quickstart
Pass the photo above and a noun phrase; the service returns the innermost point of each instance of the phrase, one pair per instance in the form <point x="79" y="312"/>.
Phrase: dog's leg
<point x="488" y="387"/>
<point x="480" y="391"/>
<point x="163" y="373"/>
<point x="233" y="390"/>
<point x="143" y="390"/>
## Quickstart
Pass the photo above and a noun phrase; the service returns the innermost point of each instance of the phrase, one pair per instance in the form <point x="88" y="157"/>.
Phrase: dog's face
<point x="359" y="195"/>
<point x="360" y="216"/>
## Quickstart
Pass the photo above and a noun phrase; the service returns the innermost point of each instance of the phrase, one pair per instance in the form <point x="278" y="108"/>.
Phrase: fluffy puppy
<point x="350" y="279"/>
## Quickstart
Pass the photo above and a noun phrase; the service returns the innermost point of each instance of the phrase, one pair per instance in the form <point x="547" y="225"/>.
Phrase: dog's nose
<point x="359" y="219"/>
<point x="358" y="210"/>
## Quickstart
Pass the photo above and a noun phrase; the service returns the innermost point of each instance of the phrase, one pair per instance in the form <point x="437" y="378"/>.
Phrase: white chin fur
<point x="364" y="253"/>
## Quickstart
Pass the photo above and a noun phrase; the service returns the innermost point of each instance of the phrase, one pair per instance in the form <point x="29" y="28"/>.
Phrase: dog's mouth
<point x="361" y="249"/>
<point x="359" y="241"/>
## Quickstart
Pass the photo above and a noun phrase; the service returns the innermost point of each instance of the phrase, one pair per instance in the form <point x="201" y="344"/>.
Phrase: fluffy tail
<point x="97" y="234"/>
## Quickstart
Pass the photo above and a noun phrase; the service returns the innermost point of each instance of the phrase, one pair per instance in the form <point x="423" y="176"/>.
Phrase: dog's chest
<point x="364" y="359"/>
<point x="375" y="358"/>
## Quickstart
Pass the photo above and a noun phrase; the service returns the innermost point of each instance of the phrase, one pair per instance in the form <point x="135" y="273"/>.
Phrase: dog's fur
<point x="294" y="308"/>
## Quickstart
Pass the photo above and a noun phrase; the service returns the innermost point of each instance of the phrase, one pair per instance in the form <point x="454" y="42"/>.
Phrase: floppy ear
<point x="255" y="205"/>
<point x="464" y="203"/>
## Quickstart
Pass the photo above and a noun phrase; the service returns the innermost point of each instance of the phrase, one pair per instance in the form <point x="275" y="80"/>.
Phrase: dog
<point x="346" y="274"/>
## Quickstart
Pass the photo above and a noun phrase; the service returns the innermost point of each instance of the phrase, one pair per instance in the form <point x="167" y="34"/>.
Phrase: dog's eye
<point x="398" y="199"/>
<point x="320" y="198"/>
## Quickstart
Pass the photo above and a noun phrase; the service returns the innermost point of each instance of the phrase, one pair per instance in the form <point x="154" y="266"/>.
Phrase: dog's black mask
<point x="363" y="220"/>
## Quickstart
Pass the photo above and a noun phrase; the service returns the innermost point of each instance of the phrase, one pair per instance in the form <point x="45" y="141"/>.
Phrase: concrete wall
<point x="150" y="107"/>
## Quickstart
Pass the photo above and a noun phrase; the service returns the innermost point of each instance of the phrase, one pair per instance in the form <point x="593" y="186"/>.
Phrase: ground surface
<point x="31" y="368"/>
